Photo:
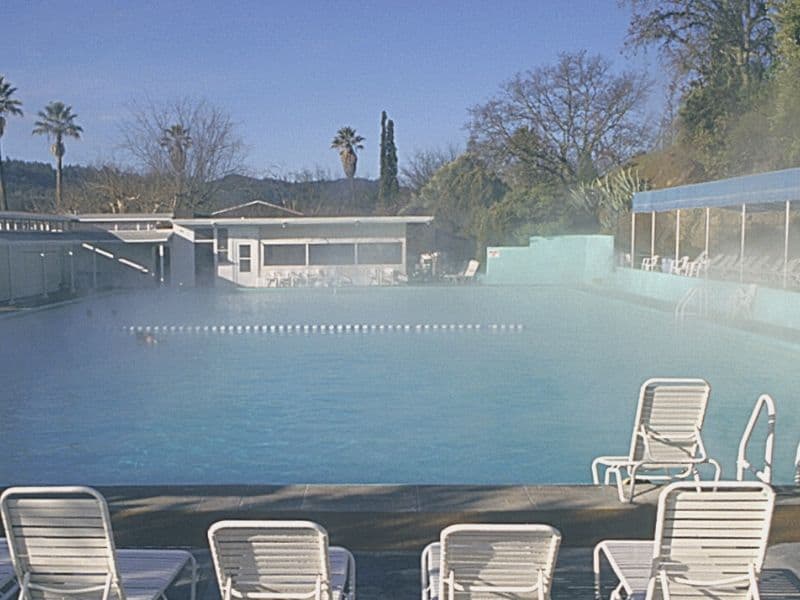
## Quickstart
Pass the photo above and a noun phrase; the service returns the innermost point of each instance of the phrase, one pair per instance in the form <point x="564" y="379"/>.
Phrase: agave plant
<point x="608" y="197"/>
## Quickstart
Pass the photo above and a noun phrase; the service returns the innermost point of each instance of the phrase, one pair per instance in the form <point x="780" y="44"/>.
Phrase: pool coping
<point x="391" y="518"/>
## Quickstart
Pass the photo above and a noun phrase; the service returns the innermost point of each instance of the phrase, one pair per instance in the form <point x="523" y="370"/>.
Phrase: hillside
<point x="31" y="187"/>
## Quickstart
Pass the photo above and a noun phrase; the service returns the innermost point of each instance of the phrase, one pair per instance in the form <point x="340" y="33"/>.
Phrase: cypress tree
<point x="388" y="186"/>
<point x="391" y="162"/>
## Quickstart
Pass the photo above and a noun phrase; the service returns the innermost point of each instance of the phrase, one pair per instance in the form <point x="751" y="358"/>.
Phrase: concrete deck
<point x="387" y="526"/>
<point x="396" y="518"/>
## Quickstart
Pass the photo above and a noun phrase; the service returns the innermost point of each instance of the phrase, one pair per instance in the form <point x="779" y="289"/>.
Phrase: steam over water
<point x="85" y="400"/>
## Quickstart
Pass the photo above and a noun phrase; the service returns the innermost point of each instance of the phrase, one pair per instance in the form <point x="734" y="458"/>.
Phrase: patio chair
<point x="680" y="266"/>
<point x="61" y="546"/>
<point x="666" y="442"/>
<point x="8" y="586"/>
<point x="710" y="541"/>
<point x="650" y="263"/>
<point x="468" y="274"/>
<point x="280" y="559"/>
<point x="490" y="561"/>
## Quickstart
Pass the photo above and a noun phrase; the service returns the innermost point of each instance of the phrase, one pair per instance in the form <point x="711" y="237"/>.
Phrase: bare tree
<point x="562" y="123"/>
<point x="422" y="164"/>
<point x="116" y="190"/>
<point x="213" y="151"/>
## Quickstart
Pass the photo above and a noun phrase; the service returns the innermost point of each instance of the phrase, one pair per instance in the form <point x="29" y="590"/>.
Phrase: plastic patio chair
<point x="490" y="561"/>
<point x="666" y="442"/>
<point x="710" y="542"/>
<point x="280" y="559"/>
<point x="61" y="545"/>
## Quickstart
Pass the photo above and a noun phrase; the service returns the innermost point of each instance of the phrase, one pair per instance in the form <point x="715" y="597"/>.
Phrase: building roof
<point x="303" y="221"/>
<point x="122" y="217"/>
<point x="255" y="209"/>
<point x="761" y="188"/>
<point x="18" y="215"/>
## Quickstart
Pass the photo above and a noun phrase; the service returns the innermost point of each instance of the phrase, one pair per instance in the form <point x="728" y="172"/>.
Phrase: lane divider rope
<point x="310" y="328"/>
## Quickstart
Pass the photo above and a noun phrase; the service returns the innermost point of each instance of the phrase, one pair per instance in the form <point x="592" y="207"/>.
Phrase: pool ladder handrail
<point x="696" y="292"/>
<point x="743" y="464"/>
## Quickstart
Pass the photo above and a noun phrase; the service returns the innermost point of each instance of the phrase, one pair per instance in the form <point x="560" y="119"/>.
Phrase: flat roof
<point x="16" y="215"/>
<point x="761" y="188"/>
<point x="122" y="217"/>
<point x="302" y="221"/>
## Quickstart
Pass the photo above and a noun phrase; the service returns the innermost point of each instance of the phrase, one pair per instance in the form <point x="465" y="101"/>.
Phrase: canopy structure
<point x="755" y="192"/>
<point x="761" y="188"/>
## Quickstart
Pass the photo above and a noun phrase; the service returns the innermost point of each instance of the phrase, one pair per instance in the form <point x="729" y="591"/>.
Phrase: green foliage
<point x="389" y="188"/>
<point x="8" y="106"/>
<point x="57" y="121"/>
<point x="346" y="142"/>
<point x="459" y="196"/>
<point x="608" y="198"/>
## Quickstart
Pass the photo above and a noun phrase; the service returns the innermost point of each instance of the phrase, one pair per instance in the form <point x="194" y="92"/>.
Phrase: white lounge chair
<point x="666" y="442"/>
<point x="650" y="263"/>
<point x="490" y="561"/>
<point x="469" y="273"/>
<point x="280" y="559"/>
<point x="8" y="586"/>
<point x="61" y="545"/>
<point x="710" y="541"/>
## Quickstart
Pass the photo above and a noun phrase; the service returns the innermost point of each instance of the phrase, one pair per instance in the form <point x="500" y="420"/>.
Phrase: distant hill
<point x="31" y="187"/>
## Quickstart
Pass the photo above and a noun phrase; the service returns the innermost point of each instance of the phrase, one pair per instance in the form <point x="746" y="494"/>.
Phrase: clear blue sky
<point x="289" y="73"/>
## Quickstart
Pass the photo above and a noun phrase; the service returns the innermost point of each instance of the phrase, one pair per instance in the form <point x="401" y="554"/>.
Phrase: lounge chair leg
<point x="193" y="594"/>
<point x="620" y="485"/>
<point x="596" y="568"/>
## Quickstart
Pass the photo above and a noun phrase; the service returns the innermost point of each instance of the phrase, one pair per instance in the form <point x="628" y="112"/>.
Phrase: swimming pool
<point x="84" y="401"/>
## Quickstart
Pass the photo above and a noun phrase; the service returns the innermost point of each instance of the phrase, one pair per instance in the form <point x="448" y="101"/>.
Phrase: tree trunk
<point x="3" y="202"/>
<point x="58" y="182"/>
<point x="353" y="190"/>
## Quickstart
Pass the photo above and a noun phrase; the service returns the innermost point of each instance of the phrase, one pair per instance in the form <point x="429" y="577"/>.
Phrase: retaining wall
<point x="589" y="261"/>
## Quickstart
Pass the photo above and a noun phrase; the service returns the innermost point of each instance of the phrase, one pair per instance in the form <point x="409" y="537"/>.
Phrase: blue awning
<point x="761" y="188"/>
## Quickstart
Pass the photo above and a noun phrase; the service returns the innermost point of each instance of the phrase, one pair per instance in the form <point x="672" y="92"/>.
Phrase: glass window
<point x="244" y="258"/>
<point x="386" y="253"/>
<point x="284" y="255"/>
<point x="331" y="254"/>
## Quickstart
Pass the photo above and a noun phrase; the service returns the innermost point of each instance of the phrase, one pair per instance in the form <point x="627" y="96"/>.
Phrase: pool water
<point x="86" y="401"/>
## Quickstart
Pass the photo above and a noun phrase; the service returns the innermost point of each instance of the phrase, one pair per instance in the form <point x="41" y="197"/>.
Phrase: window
<point x="284" y="255"/>
<point x="332" y="254"/>
<point x="244" y="258"/>
<point x="222" y="244"/>
<point x="387" y="253"/>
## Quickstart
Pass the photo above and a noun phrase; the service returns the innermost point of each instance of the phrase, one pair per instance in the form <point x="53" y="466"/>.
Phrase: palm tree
<point x="176" y="140"/>
<point x="8" y="106"/>
<point x="347" y="141"/>
<point x="57" y="121"/>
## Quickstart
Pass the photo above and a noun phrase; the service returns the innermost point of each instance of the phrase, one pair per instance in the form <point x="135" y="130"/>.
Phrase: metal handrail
<point x="742" y="462"/>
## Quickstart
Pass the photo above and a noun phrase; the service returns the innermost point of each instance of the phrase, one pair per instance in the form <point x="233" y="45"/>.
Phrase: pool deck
<point x="396" y="518"/>
<point x="387" y="526"/>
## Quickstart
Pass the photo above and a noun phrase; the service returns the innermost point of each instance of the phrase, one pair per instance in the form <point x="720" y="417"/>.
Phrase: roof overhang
<point x="285" y="222"/>
<point x="123" y="217"/>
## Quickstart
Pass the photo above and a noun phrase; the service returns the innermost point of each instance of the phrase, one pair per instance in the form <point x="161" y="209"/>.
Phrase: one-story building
<point x="292" y="251"/>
